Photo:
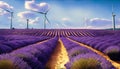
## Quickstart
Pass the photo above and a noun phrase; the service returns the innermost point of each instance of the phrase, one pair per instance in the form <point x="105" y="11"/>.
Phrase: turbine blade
<point x="38" y="12"/>
<point x="47" y="19"/>
<point x="6" y="10"/>
<point x="45" y="23"/>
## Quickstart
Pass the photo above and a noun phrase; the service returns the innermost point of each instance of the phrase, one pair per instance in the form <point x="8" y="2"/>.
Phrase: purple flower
<point x="104" y="64"/>
<point x="77" y="51"/>
<point x="7" y="61"/>
<point x="5" y="49"/>
<point x="111" y="49"/>
<point x="113" y="52"/>
<point x="29" y="58"/>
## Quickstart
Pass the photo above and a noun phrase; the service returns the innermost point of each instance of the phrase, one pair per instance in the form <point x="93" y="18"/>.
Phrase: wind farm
<point x="59" y="34"/>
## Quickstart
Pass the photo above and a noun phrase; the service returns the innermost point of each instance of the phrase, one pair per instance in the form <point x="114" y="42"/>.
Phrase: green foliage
<point x="75" y="53"/>
<point x="112" y="51"/>
<point x="6" y="64"/>
<point x="86" y="64"/>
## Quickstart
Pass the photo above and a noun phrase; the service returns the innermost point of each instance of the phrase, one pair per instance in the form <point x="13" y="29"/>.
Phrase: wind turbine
<point x="11" y="12"/>
<point x="43" y="8"/>
<point x="45" y="16"/>
<point x="113" y="18"/>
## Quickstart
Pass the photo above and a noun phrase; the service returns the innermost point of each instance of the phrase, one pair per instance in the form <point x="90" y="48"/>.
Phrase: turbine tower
<point x="27" y="23"/>
<point x="113" y="18"/>
<point x="11" y="16"/>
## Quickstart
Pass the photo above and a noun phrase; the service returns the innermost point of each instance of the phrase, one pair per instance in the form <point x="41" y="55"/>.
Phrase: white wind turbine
<point x="113" y="18"/>
<point x="43" y="9"/>
<point x="11" y="17"/>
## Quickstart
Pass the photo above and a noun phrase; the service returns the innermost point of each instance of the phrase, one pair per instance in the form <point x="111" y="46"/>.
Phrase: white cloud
<point x="30" y="5"/>
<point x="65" y="19"/>
<point x="5" y="5"/>
<point x="42" y="7"/>
<point x="1" y="10"/>
<point x="99" y="19"/>
<point x="99" y="22"/>
<point x="34" y="21"/>
<point x="26" y="15"/>
<point x="5" y="14"/>
<point x="31" y="21"/>
<point x="92" y="23"/>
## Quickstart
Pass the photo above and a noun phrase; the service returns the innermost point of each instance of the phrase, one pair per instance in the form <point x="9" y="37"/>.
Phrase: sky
<point x="66" y="14"/>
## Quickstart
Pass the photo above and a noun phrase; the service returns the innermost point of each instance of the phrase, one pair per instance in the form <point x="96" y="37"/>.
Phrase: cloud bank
<point x="41" y="7"/>
<point x="5" y="5"/>
<point x="33" y="19"/>
<point x="26" y="15"/>
<point x="100" y="23"/>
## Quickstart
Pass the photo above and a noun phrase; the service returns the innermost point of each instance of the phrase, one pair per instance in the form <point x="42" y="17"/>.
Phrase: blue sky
<point x="67" y="14"/>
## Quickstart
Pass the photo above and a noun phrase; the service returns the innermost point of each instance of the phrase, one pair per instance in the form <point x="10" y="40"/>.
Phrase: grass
<point x="86" y="64"/>
<point x="6" y="64"/>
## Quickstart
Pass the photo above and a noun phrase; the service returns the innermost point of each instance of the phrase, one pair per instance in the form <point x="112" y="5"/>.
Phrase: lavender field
<point x="59" y="49"/>
<point x="59" y="34"/>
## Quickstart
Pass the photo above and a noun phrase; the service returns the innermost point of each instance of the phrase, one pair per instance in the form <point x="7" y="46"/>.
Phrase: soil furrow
<point x="59" y="57"/>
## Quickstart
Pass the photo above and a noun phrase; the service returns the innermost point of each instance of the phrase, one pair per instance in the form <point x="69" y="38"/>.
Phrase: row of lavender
<point x="9" y="43"/>
<point x="30" y="57"/>
<point x="83" y="58"/>
<point x="57" y="32"/>
<point x="109" y="45"/>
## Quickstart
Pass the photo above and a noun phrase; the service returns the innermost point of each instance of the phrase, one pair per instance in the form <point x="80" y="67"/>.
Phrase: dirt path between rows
<point x="115" y="64"/>
<point x="59" y="57"/>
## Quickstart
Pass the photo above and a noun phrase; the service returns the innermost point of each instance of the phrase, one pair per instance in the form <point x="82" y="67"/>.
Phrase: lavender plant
<point x="89" y="61"/>
<point x="11" y="62"/>
<point x="113" y="52"/>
